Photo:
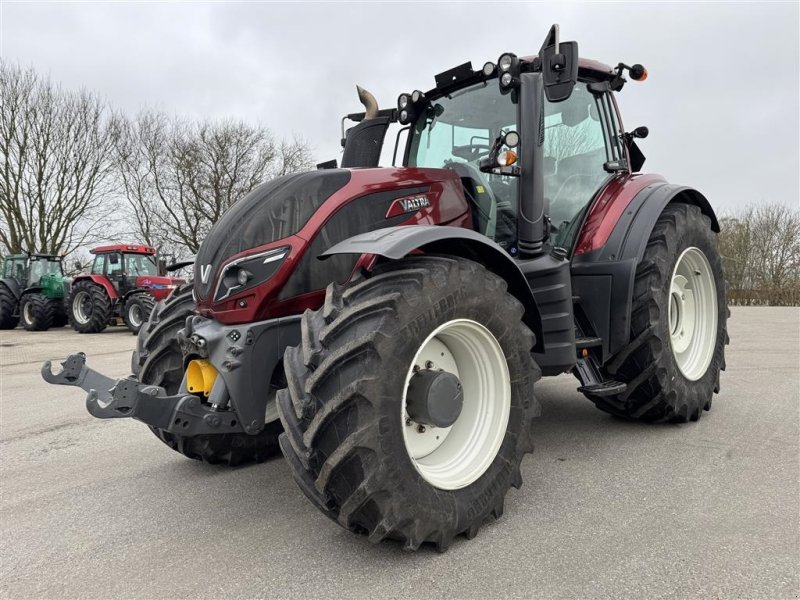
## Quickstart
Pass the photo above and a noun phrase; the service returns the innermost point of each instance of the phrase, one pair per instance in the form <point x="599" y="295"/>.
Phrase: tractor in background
<point x="32" y="290"/>
<point x="123" y="284"/>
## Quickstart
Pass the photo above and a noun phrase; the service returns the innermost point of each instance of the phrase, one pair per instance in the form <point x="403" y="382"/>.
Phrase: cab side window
<point x="97" y="265"/>
<point x="575" y="152"/>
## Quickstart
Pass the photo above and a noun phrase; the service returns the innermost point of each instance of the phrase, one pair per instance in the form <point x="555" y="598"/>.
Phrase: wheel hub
<point x="434" y="398"/>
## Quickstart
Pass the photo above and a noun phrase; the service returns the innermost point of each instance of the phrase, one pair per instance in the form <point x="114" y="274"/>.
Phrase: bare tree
<point x="179" y="177"/>
<point x="56" y="167"/>
<point x="761" y="249"/>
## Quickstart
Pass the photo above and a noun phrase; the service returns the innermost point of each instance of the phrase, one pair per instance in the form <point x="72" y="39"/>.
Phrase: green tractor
<point x="32" y="289"/>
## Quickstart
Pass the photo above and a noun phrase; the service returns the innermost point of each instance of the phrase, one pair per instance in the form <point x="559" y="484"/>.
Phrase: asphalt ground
<point x="609" y="509"/>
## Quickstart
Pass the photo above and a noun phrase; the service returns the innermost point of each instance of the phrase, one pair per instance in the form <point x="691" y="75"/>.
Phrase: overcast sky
<point x="721" y="100"/>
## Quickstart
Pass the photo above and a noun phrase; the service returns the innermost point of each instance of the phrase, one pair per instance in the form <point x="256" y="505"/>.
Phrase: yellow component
<point x="479" y="189"/>
<point x="200" y="376"/>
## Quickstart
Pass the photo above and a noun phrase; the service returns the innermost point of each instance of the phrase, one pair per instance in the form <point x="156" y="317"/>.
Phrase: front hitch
<point x="107" y="398"/>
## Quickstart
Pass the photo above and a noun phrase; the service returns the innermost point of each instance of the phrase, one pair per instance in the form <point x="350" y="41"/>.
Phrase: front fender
<point x="395" y="243"/>
<point x="101" y="281"/>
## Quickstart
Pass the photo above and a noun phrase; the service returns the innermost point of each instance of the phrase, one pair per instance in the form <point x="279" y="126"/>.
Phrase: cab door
<point x="581" y="155"/>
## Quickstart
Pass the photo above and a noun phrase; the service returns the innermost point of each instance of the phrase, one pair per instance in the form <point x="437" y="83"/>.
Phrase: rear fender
<point x="99" y="280"/>
<point x="395" y="243"/>
<point x="603" y="278"/>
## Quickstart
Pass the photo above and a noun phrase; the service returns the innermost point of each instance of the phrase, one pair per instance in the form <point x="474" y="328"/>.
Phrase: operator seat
<point x="480" y="196"/>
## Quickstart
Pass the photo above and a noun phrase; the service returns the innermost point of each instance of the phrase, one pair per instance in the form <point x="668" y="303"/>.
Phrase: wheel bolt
<point x="420" y="428"/>
<point x="408" y="422"/>
<point x="428" y="364"/>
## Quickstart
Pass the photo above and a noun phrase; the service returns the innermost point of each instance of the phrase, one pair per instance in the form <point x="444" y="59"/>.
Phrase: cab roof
<point x="131" y="248"/>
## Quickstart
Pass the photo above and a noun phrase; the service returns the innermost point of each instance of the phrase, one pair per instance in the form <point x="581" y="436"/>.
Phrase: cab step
<point x="604" y="388"/>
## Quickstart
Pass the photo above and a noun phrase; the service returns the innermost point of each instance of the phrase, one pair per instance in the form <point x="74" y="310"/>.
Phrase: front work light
<point x="509" y="69"/>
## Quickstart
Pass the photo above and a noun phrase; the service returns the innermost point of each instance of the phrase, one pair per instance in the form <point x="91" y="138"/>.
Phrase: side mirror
<point x="113" y="258"/>
<point x="78" y="266"/>
<point x="559" y="64"/>
<point x="162" y="266"/>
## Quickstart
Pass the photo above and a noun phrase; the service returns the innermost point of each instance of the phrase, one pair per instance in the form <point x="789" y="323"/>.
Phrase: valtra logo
<point x="408" y="204"/>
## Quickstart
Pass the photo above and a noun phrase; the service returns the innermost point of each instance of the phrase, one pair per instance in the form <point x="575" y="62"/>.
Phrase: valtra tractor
<point x="386" y="326"/>
<point x="32" y="290"/>
<point x="124" y="282"/>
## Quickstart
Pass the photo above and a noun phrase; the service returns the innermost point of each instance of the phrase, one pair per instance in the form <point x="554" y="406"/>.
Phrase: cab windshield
<point x="454" y="133"/>
<point x="42" y="266"/>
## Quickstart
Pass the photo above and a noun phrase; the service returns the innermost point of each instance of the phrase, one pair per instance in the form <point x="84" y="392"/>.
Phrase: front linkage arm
<point x="113" y="399"/>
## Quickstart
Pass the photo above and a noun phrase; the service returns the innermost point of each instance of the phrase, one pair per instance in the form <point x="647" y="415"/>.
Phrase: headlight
<point x="416" y="96"/>
<point x="488" y="69"/>
<point x="505" y="62"/>
<point x="402" y="101"/>
<point x="506" y="79"/>
<point x="404" y="117"/>
<point x="249" y="271"/>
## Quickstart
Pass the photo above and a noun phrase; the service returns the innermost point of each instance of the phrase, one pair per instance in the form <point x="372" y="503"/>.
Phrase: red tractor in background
<point x="124" y="282"/>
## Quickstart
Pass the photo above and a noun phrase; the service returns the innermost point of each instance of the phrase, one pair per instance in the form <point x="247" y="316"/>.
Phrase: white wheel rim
<point x="692" y="313"/>
<point x="27" y="313"/>
<point x="77" y="307"/>
<point x="135" y="315"/>
<point x="454" y="457"/>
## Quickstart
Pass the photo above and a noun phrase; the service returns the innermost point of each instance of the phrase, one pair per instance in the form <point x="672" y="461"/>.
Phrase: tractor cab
<point x="127" y="267"/>
<point x="33" y="270"/>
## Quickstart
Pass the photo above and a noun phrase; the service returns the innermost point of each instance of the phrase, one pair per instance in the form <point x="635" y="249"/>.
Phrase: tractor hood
<point x="276" y="231"/>
<point x="272" y="211"/>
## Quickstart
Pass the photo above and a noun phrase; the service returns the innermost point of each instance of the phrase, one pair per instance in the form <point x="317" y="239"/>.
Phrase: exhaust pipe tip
<point x="369" y="102"/>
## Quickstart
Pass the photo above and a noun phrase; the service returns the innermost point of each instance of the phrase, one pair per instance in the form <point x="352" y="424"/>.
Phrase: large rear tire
<point x="356" y="448"/>
<point x="678" y="333"/>
<point x="37" y="312"/>
<point x="137" y="310"/>
<point x="158" y="360"/>
<point x="89" y="307"/>
<point x="8" y="308"/>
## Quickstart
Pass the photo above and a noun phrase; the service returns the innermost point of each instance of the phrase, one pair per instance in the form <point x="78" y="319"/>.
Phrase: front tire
<point x="37" y="312"/>
<point x="158" y="360"/>
<point x="137" y="310"/>
<point x="349" y="441"/>
<point x="679" y="317"/>
<point x="89" y="307"/>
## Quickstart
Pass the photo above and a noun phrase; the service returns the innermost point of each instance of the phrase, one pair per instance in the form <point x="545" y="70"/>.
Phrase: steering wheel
<point x="471" y="152"/>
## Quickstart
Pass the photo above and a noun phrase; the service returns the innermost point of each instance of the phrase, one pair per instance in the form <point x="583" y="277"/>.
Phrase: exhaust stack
<point x="364" y="142"/>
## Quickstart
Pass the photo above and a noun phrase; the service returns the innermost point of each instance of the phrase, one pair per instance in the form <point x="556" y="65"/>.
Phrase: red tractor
<point x="125" y="281"/>
<point x="386" y="327"/>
